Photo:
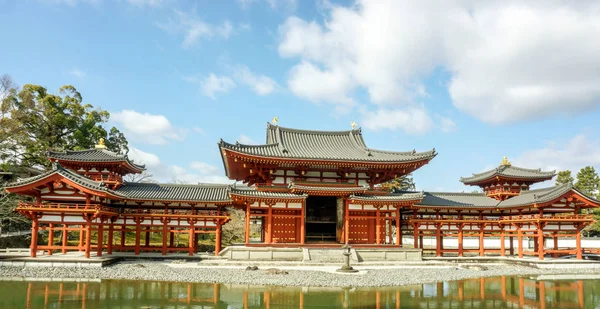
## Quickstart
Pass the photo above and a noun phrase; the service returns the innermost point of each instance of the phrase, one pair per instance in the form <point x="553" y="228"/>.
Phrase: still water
<point x="499" y="292"/>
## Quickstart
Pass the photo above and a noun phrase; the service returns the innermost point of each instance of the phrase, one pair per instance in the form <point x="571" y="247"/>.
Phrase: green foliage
<point x="402" y="183"/>
<point x="564" y="177"/>
<point x="588" y="181"/>
<point x="33" y="121"/>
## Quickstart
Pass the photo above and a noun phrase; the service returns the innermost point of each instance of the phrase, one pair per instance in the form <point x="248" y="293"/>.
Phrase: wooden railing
<point x="65" y="207"/>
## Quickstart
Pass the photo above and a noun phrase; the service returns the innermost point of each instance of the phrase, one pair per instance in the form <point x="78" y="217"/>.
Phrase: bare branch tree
<point x="144" y="177"/>
<point x="233" y="231"/>
<point x="6" y="84"/>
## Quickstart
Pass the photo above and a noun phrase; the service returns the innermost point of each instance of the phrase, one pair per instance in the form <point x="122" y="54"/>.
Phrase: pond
<point x="497" y="292"/>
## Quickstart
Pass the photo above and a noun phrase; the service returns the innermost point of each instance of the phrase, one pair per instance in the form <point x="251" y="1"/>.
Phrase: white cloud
<point x="141" y="157"/>
<point x="146" y="128"/>
<point x="507" y="60"/>
<point x="199" y="130"/>
<point x="446" y="125"/>
<point x="573" y="154"/>
<point x="147" y="3"/>
<point x="260" y="84"/>
<point x="77" y="73"/>
<point x="212" y="84"/>
<point x="194" y="29"/>
<point x="244" y="139"/>
<point x="411" y="120"/>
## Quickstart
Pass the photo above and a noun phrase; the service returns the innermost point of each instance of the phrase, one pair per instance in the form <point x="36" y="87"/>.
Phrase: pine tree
<point x="588" y="181"/>
<point x="564" y="177"/>
<point x="402" y="183"/>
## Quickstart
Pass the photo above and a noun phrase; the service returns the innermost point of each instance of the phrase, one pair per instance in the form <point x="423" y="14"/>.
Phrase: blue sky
<point x="474" y="81"/>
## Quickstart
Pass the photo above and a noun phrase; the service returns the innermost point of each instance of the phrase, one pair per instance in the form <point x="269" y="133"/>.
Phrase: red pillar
<point x="540" y="241"/>
<point x="302" y="223"/>
<point x="218" y="238"/>
<point x="111" y="231"/>
<point x="100" y="245"/>
<point x="191" y="240"/>
<point x="346" y="221"/>
<point x="247" y="226"/>
<point x="270" y="223"/>
<point x="123" y="236"/>
<point x="65" y="235"/>
<point x="520" y="241"/>
<point x="416" y="235"/>
<point x="50" y="237"/>
<point x="481" y="245"/>
<point x="438" y="239"/>
<point x="398" y="228"/>
<point x="34" y="235"/>
<point x="164" y="237"/>
<point x="555" y="239"/>
<point x="578" y="244"/>
<point x="502" y="246"/>
<point x="81" y="236"/>
<point x="460" y="239"/>
<point x="138" y="231"/>
<point x="88" y="238"/>
<point x="377" y="227"/>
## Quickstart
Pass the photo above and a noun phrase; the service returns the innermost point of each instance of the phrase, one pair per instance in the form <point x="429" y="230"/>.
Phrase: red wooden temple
<point x="301" y="188"/>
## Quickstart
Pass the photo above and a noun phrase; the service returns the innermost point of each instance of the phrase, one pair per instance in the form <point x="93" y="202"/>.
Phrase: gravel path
<point x="368" y="277"/>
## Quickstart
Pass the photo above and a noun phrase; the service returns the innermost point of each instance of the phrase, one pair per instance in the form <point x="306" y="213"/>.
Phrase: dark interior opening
<point x="321" y="218"/>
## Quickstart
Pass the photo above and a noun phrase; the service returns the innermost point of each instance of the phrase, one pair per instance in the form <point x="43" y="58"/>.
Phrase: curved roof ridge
<point x="552" y="190"/>
<point x="456" y="193"/>
<point x="342" y="132"/>
<point x="199" y="185"/>
<point x="247" y="145"/>
<point x="534" y="170"/>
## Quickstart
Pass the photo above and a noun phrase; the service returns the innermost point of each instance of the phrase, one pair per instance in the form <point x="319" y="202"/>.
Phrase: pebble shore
<point x="376" y="277"/>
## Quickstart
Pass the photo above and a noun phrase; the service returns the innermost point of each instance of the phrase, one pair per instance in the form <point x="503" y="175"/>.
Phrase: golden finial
<point x="353" y="124"/>
<point x="505" y="162"/>
<point x="275" y="120"/>
<point x="100" y="144"/>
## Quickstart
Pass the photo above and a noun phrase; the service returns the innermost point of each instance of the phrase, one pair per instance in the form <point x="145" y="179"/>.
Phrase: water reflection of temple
<point x="498" y="292"/>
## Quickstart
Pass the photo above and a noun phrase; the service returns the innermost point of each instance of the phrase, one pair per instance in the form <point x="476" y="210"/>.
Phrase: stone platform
<point x="319" y="255"/>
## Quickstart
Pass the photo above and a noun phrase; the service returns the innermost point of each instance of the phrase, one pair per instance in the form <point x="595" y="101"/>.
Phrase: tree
<point x="144" y="177"/>
<point x="402" y="183"/>
<point x="588" y="181"/>
<point x="564" y="177"/>
<point x="233" y="230"/>
<point x="34" y="121"/>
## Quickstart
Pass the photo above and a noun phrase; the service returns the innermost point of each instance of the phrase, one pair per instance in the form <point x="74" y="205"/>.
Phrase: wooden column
<point x="171" y="239"/>
<point x="247" y="227"/>
<point x="302" y="223"/>
<point x="481" y="244"/>
<point x="88" y="237"/>
<point x="398" y="227"/>
<point x="346" y="222"/>
<point x="123" y="236"/>
<point x="377" y="227"/>
<point x="65" y="236"/>
<point x="218" y="238"/>
<point x="50" y="237"/>
<point x="555" y="240"/>
<point x="416" y="235"/>
<point x="147" y="237"/>
<point x="520" y="241"/>
<point x="81" y="236"/>
<point x="164" y="236"/>
<point x="100" y="239"/>
<point x="270" y="223"/>
<point x="578" y="243"/>
<point x="502" y="245"/>
<point x="511" y="249"/>
<point x="111" y="230"/>
<point x="438" y="239"/>
<point x="138" y="232"/>
<point x="540" y="241"/>
<point x="34" y="235"/>
<point x="191" y="240"/>
<point x="460" y="239"/>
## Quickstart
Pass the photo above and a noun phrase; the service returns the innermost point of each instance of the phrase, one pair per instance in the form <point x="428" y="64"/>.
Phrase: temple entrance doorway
<point x="321" y="219"/>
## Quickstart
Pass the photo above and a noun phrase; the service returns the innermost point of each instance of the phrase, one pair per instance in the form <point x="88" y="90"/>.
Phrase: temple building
<point x="301" y="188"/>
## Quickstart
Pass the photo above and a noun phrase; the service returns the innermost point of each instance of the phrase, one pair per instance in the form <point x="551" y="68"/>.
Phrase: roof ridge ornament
<point x="505" y="162"/>
<point x="353" y="124"/>
<point x="275" y="120"/>
<point x="100" y="144"/>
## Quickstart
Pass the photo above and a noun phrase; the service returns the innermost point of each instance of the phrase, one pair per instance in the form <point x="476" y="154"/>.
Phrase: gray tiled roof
<point x="175" y="192"/>
<point x="323" y="145"/>
<point x="251" y="192"/>
<point x="92" y="155"/>
<point x="403" y="196"/>
<point x="349" y="188"/>
<point x="68" y="174"/>
<point x="510" y="171"/>
<point x="457" y="200"/>
<point x="540" y="196"/>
